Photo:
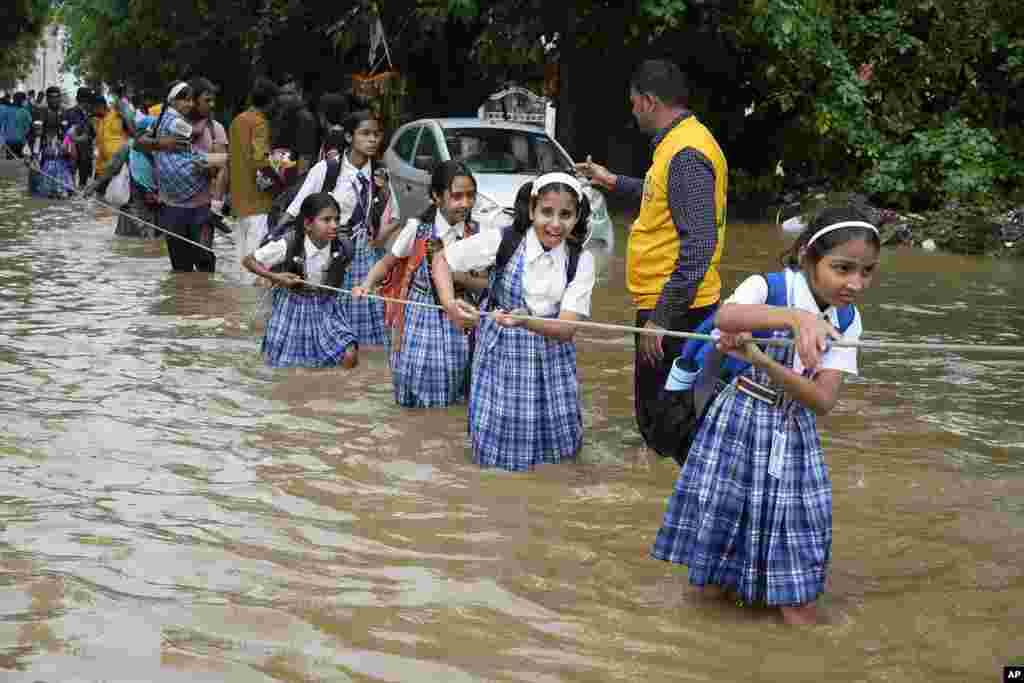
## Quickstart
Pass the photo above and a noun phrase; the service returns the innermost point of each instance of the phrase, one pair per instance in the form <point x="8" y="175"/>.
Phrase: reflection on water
<point x="175" y="511"/>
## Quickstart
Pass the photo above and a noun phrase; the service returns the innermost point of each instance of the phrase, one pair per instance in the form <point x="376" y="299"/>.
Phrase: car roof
<point x="472" y="122"/>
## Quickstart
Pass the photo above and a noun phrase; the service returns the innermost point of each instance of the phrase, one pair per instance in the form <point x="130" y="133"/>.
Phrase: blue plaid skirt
<point x="366" y="316"/>
<point x="306" y="330"/>
<point x="428" y="371"/>
<point x="524" y="403"/>
<point x="733" y="524"/>
<point x="57" y="180"/>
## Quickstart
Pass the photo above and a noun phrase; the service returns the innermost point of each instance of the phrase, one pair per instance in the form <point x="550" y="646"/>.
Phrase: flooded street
<point x="173" y="510"/>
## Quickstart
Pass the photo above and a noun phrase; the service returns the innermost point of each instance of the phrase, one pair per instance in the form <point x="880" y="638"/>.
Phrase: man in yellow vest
<point x="675" y="243"/>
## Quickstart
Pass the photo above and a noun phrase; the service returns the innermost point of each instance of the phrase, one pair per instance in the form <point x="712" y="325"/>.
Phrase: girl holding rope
<point x="355" y="192"/>
<point x="752" y="509"/>
<point x="430" y="354"/>
<point x="524" y="404"/>
<point x="308" y="326"/>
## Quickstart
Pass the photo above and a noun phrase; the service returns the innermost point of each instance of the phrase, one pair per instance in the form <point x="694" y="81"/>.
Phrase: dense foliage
<point x="916" y="101"/>
<point x="21" y="26"/>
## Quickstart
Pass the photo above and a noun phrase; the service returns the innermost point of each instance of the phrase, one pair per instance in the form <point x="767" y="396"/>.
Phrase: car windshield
<point x="501" y="150"/>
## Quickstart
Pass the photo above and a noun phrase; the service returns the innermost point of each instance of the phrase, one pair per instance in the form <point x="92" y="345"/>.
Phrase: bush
<point x="952" y="162"/>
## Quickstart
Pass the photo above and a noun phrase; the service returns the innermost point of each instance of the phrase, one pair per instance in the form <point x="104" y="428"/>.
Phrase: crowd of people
<point x="485" y="316"/>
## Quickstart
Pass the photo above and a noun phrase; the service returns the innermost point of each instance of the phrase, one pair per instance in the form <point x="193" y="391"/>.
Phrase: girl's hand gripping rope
<point x="463" y="314"/>
<point x="813" y="336"/>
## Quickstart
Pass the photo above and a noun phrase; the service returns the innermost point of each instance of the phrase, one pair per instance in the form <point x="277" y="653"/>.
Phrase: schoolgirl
<point x="52" y="150"/>
<point x="429" y="353"/>
<point x="752" y="508"/>
<point x="355" y="194"/>
<point x="524" y="405"/>
<point x="308" y="326"/>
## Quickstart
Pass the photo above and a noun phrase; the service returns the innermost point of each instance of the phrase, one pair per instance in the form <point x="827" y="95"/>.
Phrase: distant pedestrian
<point x="183" y="178"/>
<point x="53" y="152"/>
<point x="20" y="125"/>
<point x="248" y="152"/>
<point x="81" y="118"/>
<point x="110" y="133"/>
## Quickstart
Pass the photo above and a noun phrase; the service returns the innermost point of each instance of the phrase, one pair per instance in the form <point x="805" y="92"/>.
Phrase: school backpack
<point x="285" y="198"/>
<point x="510" y="239"/>
<point x="700" y="369"/>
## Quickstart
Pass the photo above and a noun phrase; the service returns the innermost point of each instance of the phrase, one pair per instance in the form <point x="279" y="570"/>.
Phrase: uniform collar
<point x="313" y="250"/>
<point x="347" y="165"/>
<point x="442" y="227"/>
<point x="668" y="129"/>
<point x="534" y="249"/>
<point x="803" y="298"/>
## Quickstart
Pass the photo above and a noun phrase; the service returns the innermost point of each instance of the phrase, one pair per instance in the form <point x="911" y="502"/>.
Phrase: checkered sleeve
<point x="691" y="199"/>
<point x="629" y="186"/>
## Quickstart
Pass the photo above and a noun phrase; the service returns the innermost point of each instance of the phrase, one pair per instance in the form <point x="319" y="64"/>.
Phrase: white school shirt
<point x="754" y="290"/>
<point x="317" y="259"/>
<point x="344" y="191"/>
<point x="544" y="276"/>
<point x="402" y="245"/>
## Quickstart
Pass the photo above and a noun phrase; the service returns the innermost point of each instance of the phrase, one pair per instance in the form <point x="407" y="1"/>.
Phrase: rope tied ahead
<point x="608" y="327"/>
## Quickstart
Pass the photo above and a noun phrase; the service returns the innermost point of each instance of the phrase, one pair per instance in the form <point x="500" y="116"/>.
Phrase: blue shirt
<point x="180" y="174"/>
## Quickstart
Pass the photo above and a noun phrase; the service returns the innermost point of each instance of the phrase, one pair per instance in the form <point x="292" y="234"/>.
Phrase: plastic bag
<point x="119" y="190"/>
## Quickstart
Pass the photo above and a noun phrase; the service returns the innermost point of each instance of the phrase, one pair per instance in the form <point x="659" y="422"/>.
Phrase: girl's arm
<point x="548" y="328"/>
<point x="462" y="314"/>
<point x="290" y="280"/>
<point x="819" y="393"/>
<point x="810" y="332"/>
<point x="376" y="274"/>
<point x="385" y="233"/>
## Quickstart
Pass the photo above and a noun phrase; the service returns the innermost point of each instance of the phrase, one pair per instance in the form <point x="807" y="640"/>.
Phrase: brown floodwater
<point x="173" y="510"/>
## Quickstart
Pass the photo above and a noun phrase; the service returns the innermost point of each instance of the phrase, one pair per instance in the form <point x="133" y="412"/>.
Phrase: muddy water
<point x="172" y="510"/>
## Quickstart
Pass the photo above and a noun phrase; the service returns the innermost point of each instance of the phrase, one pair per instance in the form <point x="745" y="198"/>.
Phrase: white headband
<point x="557" y="177"/>
<point x="836" y="226"/>
<point x="175" y="90"/>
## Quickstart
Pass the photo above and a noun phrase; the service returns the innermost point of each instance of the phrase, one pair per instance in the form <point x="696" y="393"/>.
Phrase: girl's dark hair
<point x="200" y="86"/>
<point x="352" y="121"/>
<point x="314" y="204"/>
<point x="830" y="240"/>
<point x="441" y="180"/>
<point x="525" y="201"/>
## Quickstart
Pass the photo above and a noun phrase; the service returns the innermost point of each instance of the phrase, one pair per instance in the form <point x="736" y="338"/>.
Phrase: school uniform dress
<point x="524" y="405"/>
<point x="353" y="193"/>
<point x="739" y="518"/>
<point x="428" y="369"/>
<point x="307" y="327"/>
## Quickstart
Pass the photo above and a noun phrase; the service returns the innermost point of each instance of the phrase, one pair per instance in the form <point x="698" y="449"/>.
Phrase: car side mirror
<point x="424" y="162"/>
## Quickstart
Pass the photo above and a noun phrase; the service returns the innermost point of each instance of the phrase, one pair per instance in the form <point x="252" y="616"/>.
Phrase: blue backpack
<point x="699" y="369"/>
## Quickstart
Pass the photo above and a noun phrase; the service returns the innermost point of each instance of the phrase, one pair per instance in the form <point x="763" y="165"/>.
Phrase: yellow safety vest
<point x="653" y="241"/>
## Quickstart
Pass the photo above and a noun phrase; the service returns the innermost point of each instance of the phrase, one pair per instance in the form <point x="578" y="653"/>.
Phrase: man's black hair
<point x="662" y="79"/>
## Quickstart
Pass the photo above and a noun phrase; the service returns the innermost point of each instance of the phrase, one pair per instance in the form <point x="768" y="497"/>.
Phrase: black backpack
<point x="285" y="198"/>
<point x="510" y="239"/>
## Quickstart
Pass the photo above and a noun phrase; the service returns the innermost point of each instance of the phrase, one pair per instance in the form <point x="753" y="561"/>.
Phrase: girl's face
<point x="366" y="138"/>
<point x="204" y="105"/>
<point x="553" y="215"/>
<point x="183" y="105"/>
<point x="324" y="227"/>
<point x="842" y="275"/>
<point x="458" y="200"/>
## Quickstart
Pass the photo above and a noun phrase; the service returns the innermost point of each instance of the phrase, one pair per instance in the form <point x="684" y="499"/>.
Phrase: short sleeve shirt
<point x="317" y="259"/>
<point x="754" y="290"/>
<point x="544" y="274"/>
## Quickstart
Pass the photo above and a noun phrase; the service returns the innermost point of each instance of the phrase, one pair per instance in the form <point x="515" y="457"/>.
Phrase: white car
<point x="502" y="156"/>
